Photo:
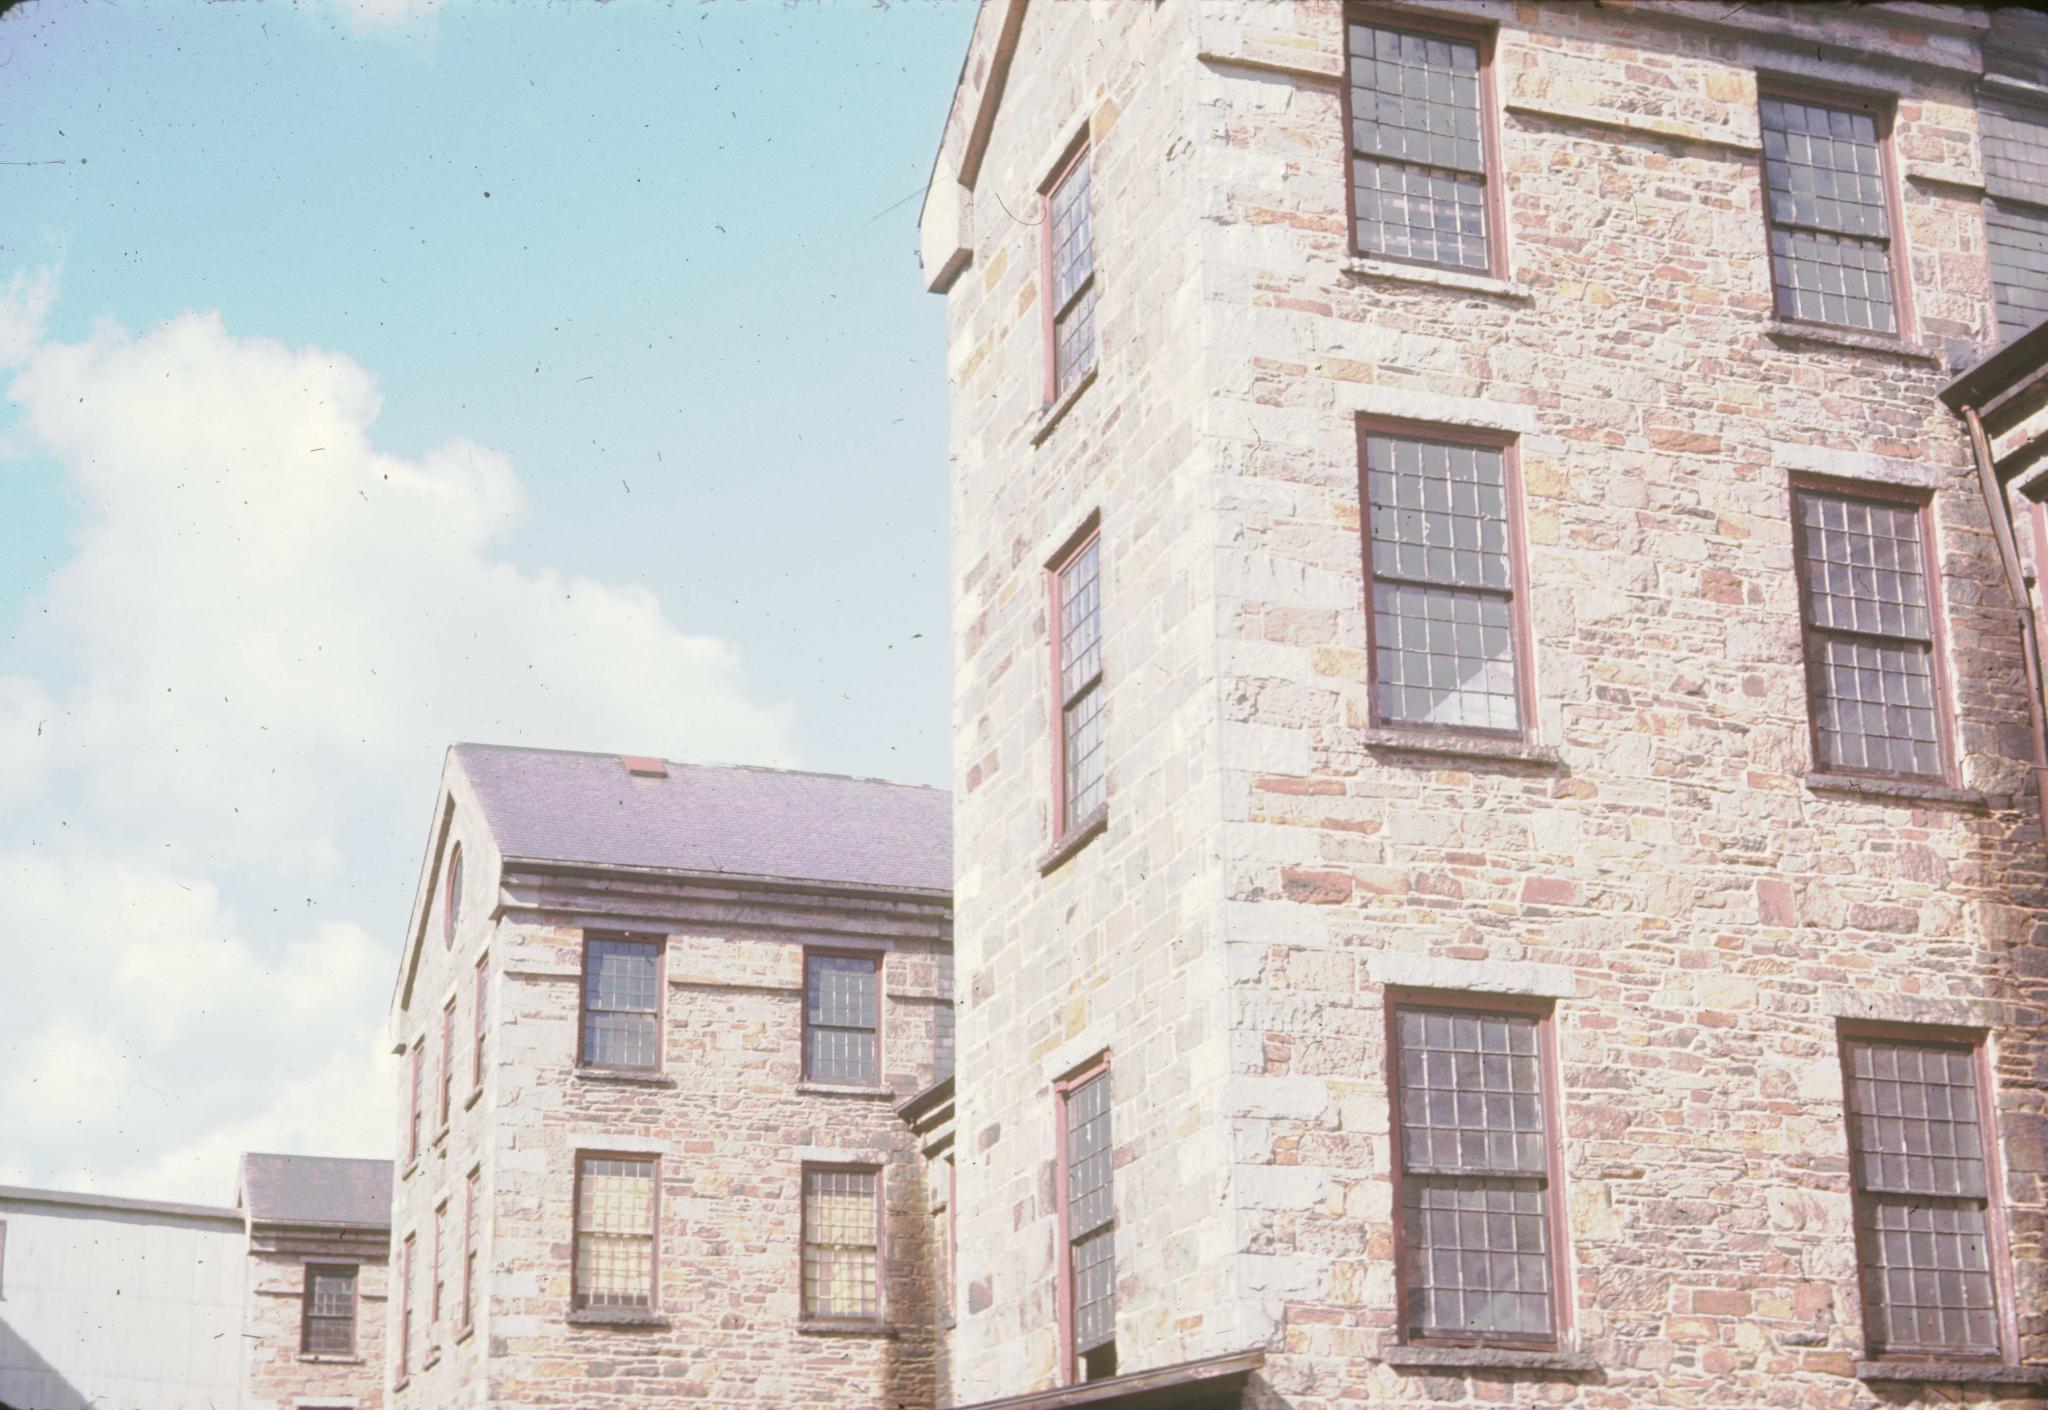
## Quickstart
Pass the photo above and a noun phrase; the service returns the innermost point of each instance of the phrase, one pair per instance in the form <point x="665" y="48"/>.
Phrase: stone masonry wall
<point x="277" y="1375"/>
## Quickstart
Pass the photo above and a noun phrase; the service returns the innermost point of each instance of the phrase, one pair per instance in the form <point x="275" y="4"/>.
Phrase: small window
<point x="842" y="1019"/>
<point x="1070" y="275"/>
<point x="842" y="1275"/>
<point x="327" y="1324"/>
<point x="418" y="1085"/>
<point x="1925" y="1223"/>
<point x="1418" y="147"/>
<point x="478" y="1008"/>
<point x="1082" y="777"/>
<point x="2015" y="138"/>
<point x="1444" y="624"/>
<point x="1827" y="210"/>
<point x="447" y="1061"/>
<point x="469" y="1249"/>
<point x="451" y="909"/>
<point x="622" y="1003"/>
<point x="615" y="1224"/>
<point x="1872" y="672"/>
<point x="405" y="1307"/>
<point x="1475" y="1177"/>
<point x="1088" y="1225"/>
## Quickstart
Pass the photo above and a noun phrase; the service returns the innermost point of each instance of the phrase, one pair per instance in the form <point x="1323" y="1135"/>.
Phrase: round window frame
<point x="451" y="903"/>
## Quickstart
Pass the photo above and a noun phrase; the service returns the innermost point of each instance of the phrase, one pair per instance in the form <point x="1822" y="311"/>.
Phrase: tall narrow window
<point x="447" y="1060"/>
<point x="1080" y="782"/>
<point x="1871" y="667"/>
<point x="438" y="1273"/>
<point x="1418" y="147"/>
<point x="1070" y="275"/>
<point x="1925" y="1224"/>
<point x="2016" y="211"/>
<point x="842" y="1262"/>
<point x="622" y="1003"/>
<point x="1088" y="1219"/>
<point x="418" y="1083"/>
<point x="1475" y="1177"/>
<point x="451" y="909"/>
<point x="327" y="1322"/>
<point x="842" y="1019"/>
<point x="405" y="1307"/>
<point x="1440" y="568"/>
<point x="478" y="1005"/>
<point x="615" y="1232"/>
<point x="469" y="1250"/>
<point x="1828" y="213"/>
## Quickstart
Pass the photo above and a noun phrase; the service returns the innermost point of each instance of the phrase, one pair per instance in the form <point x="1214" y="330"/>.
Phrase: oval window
<point x="452" y="911"/>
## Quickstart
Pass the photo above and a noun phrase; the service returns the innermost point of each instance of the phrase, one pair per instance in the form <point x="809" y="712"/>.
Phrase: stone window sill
<point x="1787" y="330"/>
<point x="843" y="1089"/>
<point x="465" y="1334"/>
<point x="1896" y="790"/>
<point x="1975" y="1373"/>
<point x="1052" y="415"/>
<point x="630" y="1079"/>
<point x="328" y="1358"/>
<point x="1486" y="1358"/>
<point x="825" y="1327"/>
<point x="433" y="1358"/>
<point x="472" y="1099"/>
<point x="617" y="1317"/>
<point x="1462" y="280"/>
<point x="411" y="1167"/>
<point x="1078" y="836"/>
<point x="440" y="1139"/>
<point x="1460" y="746"/>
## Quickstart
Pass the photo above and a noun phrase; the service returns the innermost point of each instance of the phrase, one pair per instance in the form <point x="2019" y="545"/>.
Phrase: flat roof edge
<point x="75" y="1199"/>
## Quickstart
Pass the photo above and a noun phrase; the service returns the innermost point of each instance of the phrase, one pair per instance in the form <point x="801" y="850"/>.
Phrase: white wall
<point x="120" y="1308"/>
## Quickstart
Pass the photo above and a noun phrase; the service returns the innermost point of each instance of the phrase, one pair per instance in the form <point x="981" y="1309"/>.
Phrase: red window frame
<point x="1081" y="151"/>
<point x="447" y="1061"/>
<point x="1070" y="1360"/>
<point x="1544" y="1011"/>
<point x="1922" y="502"/>
<point x="479" y="1008"/>
<point x="405" y="1307"/>
<point x="1068" y="831"/>
<point x="874" y="958"/>
<point x="469" y="1251"/>
<point x="419" y="1063"/>
<point x="660" y="945"/>
<point x="1882" y="108"/>
<point x="307" y="1317"/>
<point x="438" y="1286"/>
<point x="1431" y="27"/>
<point x="805" y="1171"/>
<point x="1478" y="438"/>
<point x="1999" y="1250"/>
<point x="451" y="898"/>
<point x="576" y="1291"/>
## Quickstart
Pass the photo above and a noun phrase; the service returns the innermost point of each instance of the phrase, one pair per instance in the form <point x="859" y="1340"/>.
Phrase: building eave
<point x="1209" y="1384"/>
<point x="119" y="1204"/>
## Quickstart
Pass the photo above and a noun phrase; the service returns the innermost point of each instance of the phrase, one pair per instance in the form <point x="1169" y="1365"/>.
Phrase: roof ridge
<point x="698" y="764"/>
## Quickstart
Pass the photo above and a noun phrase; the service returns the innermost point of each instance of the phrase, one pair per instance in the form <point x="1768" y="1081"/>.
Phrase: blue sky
<point x="554" y="373"/>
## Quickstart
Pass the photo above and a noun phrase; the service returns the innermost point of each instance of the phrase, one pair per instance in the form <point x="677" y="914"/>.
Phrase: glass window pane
<point x="1478" y="1258"/>
<point x="843" y="1011"/>
<point x="1419" y="168"/>
<point x="614" y="1264"/>
<point x="1091" y="1213"/>
<point x="841" y="1261"/>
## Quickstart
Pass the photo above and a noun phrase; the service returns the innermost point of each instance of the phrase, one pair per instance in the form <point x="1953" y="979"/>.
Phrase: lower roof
<point x="1215" y="1383"/>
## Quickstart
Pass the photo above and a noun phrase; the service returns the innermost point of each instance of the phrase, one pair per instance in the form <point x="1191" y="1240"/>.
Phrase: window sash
<point x="405" y="1307"/>
<point x="1827" y="211"/>
<point x="479" y="1000"/>
<point x="1088" y="1212"/>
<point x="1069" y="260"/>
<point x="1077" y="683"/>
<point x="439" y="1283"/>
<point x="469" y="1250"/>
<point x="622" y="984"/>
<point x="617" y="1218"/>
<point x="447" y="1061"/>
<point x="842" y="1244"/>
<point x="842" y="1018"/>
<point x="328" y="1325"/>
<point x="1418" y="145"/>
<point x="419" y="1063"/>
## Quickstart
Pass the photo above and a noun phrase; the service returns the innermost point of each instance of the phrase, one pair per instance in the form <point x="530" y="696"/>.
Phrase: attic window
<point x="451" y="912"/>
<point x="641" y="766"/>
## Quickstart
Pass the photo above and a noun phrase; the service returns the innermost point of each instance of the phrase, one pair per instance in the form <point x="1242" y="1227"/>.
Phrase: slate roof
<point x="554" y="805"/>
<point x="316" y="1189"/>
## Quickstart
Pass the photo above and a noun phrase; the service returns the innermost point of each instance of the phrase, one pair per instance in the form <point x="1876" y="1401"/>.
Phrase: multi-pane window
<point x="1826" y="208"/>
<point x="842" y="1019"/>
<point x="1870" y="659"/>
<point x="418" y="1084"/>
<point x="1475" y="1177"/>
<point x="328" y="1314"/>
<point x="469" y="1249"/>
<point x="1923" y="1202"/>
<point x="1443" y="584"/>
<point x="438" y="1273"/>
<point x="842" y="1245"/>
<point x="1077" y="671"/>
<point x="1089" y="1214"/>
<point x="447" y="1059"/>
<point x="1070" y="273"/>
<point x="622" y="1002"/>
<point x="2016" y="212"/>
<point x="1418" y="150"/>
<point x="405" y="1306"/>
<point x="479" y="996"/>
<point x="615" y="1204"/>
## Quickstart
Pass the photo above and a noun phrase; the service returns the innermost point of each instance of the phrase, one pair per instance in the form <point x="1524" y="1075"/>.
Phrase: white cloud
<point x="388" y="16"/>
<point x="23" y="307"/>
<point x="268" y="632"/>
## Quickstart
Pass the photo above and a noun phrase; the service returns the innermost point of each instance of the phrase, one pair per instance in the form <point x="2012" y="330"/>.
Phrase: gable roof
<point x="316" y="1189"/>
<point x="559" y="806"/>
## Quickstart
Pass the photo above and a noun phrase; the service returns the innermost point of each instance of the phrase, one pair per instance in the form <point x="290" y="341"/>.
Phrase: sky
<point x="376" y="374"/>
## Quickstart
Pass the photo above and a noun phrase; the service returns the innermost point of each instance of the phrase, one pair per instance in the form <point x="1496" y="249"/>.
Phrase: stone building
<point x="1497" y="850"/>
<point x="655" y="1021"/>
